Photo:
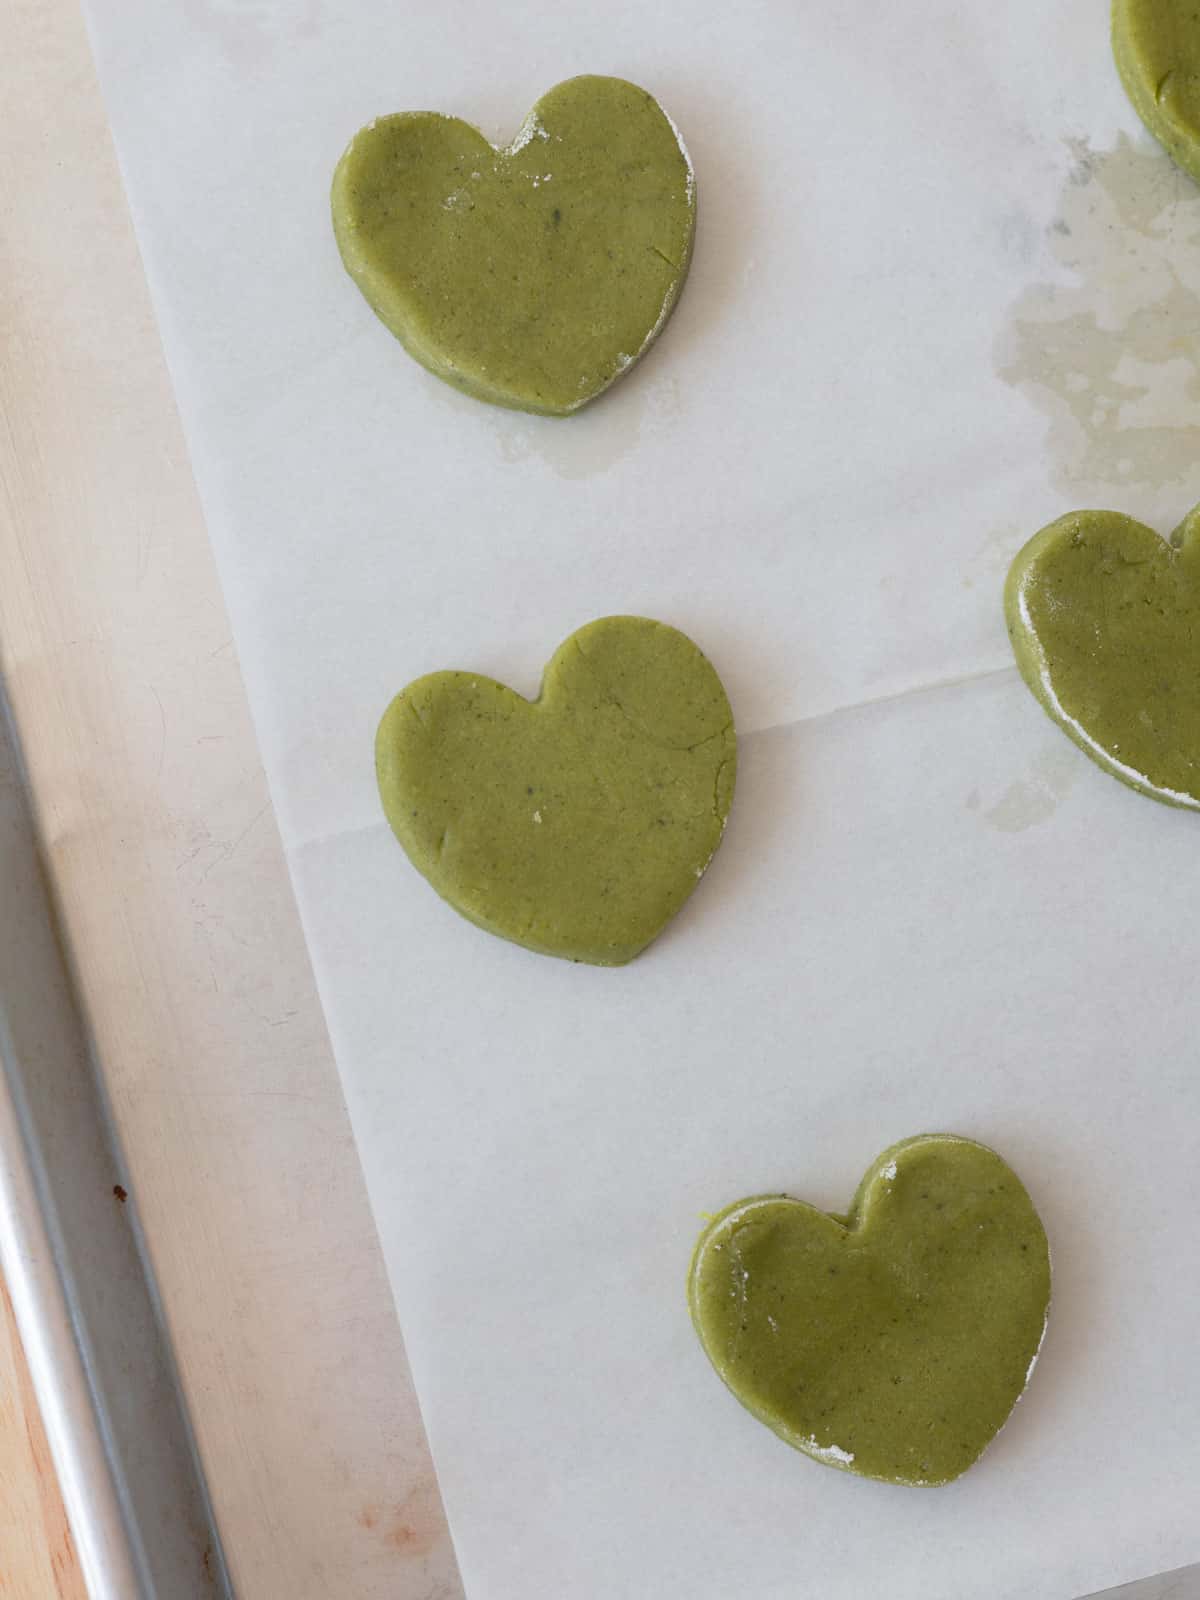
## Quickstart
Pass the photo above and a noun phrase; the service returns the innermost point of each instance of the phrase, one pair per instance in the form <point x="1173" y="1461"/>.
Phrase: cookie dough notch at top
<point x="579" y="823"/>
<point x="531" y="275"/>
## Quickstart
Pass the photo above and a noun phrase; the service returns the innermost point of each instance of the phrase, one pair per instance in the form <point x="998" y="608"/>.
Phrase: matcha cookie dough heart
<point x="576" y="824"/>
<point x="1104" y="618"/>
<point x="1157" y="48"/>
<point x="535" y="274"/>
<point x="894" y="1342"/>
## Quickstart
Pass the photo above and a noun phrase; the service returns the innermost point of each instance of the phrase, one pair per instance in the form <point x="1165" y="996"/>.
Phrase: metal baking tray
<point x="71" y="1254"/>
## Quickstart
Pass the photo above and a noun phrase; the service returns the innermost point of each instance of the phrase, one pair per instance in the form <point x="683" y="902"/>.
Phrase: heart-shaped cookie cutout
<point x="892" y="1342"/>
<point x="576" y="824"/>
<point x="1104" y="618"/>
<point x="532" y="275"/>
<point x="1157" y="48"/>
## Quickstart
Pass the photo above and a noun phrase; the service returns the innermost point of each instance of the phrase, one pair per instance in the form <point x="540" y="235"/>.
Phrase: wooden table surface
<point x="37" y="1554"/>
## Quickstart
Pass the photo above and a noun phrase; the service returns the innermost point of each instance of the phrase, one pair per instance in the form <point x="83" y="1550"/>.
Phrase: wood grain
<point x="37" y="1554"/>
<point x="172" y="887"/>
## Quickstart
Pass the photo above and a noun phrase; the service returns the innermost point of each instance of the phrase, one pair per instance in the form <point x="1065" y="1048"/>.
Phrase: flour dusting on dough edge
<point x="685" y="153"/>
<point x="833" y="1454"/>
<point x="532" y="128"/>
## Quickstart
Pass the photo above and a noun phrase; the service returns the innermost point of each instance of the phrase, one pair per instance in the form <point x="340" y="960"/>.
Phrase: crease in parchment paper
<point x="932" y="686"/>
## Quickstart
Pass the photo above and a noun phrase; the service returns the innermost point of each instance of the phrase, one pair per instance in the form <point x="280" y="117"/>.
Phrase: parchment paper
<point x="941" y="294"/>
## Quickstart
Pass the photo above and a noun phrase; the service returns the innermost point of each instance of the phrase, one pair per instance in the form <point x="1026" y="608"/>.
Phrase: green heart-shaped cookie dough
<point x="576" y="824"/>
<point x="1157" y="48"/>
<point x="1104" y="618"/>
<point x="533" y="275"/>
<point x="894" y="1342"/>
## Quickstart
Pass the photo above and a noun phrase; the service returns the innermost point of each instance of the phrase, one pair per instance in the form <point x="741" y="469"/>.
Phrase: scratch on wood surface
<point x="228" y="850"/>
<point x="145" y="544"/>
<point x="162" y="738"/>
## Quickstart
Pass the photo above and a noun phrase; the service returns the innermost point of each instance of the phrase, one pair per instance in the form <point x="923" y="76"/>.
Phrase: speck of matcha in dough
<point x="577" y="824"/>
<point x="892" y="1342"/>
<point x="1104" y="618"/>
<point x="1157" y="48"/>
<point x="521" y="274"/>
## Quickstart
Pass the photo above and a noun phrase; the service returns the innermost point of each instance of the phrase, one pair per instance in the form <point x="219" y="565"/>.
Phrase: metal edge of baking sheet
<point x="70" y="1252"/>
